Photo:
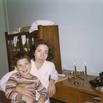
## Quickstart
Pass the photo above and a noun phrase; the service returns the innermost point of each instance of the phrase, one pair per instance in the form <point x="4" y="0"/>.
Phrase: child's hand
<point x="41" y="100"/>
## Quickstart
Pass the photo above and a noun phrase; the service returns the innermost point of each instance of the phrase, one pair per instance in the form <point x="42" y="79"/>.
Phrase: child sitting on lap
<point x="23" y="78"/>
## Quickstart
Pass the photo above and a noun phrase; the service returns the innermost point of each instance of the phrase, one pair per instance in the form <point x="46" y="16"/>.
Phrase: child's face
<point x="41" y="52"/>
<point x="23" y="66"/>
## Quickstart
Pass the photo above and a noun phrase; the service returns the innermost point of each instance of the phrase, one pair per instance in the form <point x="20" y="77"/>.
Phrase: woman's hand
<point x="28" y="99"/>
<point x="51" y="88"/>
<point x="23" y="90"/>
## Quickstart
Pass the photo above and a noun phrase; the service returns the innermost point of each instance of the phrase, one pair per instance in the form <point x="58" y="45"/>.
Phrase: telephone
<point x="98" y="81"/>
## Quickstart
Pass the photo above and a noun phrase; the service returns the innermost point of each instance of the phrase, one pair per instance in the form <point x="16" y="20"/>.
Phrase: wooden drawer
<point x="67" y="95"/>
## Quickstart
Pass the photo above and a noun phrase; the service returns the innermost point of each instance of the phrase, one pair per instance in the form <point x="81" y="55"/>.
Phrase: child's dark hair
<point x="38" y="42"/>
<point x="22" y="55"/>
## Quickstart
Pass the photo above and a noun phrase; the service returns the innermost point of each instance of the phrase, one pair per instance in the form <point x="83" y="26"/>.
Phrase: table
<point x="79" y="92"/>
<point x="69" y="92"/>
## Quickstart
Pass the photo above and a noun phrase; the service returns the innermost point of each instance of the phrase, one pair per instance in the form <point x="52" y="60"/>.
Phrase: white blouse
<point x="46" y="71"/>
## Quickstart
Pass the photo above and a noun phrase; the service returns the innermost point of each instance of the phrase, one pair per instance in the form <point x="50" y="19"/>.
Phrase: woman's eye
<point x="46" y="52"/>
<point x="38" y="50"/>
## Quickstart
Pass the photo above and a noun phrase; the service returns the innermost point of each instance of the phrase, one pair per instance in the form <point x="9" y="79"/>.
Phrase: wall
<point x="80" y="24"/>
<point x="3" y="54"/>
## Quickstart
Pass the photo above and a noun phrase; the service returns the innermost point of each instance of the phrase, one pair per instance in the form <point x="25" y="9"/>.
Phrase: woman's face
<point x="41" y="52"/>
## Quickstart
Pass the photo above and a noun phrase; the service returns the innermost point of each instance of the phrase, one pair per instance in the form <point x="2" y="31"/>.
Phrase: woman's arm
<point x="53" y="78"/>
<point x="4" y="79"/>
<point x="53" y="73"/>
<point x="51" y="88"/>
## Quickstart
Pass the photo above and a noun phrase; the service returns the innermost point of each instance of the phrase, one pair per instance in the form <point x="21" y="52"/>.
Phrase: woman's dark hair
<point x="21" y="55"/>
<point x="36" y="44"/>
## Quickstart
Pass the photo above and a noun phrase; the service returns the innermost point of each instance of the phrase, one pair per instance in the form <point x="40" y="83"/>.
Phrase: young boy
<point x="23" y="78"/>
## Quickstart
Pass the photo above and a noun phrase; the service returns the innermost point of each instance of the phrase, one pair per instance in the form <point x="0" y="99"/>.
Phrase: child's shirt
<point x="33" y="84"/>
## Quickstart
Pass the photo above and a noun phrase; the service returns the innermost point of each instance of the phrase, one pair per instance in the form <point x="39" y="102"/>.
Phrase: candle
<point x="85" y="70"/>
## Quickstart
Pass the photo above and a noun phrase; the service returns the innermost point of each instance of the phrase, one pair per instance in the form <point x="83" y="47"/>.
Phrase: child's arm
<point x="43" y="92"/>
<point x="41" y="99"/>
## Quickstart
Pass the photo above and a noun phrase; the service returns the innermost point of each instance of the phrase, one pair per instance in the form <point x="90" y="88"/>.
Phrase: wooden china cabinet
<point x="17" y="42"/>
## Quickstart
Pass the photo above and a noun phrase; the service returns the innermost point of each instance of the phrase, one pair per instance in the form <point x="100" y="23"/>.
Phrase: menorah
<point x="76" y="76"/>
